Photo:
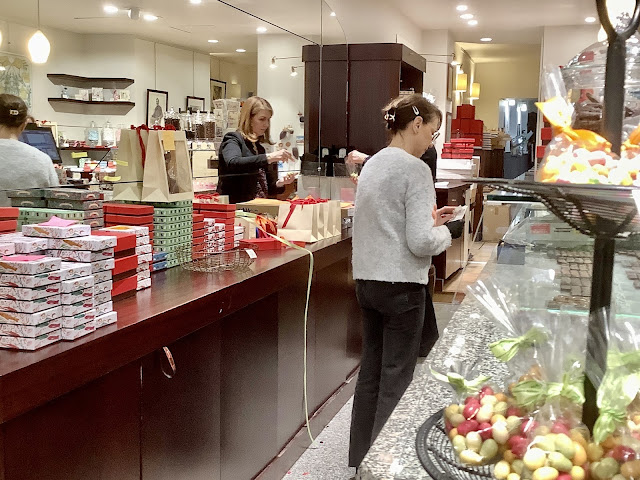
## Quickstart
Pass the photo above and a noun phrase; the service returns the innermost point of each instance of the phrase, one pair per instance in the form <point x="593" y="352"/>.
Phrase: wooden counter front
<point x="101" y="406"/>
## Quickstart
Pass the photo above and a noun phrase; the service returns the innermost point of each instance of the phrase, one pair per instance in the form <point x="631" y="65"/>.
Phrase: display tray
<point x="605" y="211"/>
<point x="437" y="456"/>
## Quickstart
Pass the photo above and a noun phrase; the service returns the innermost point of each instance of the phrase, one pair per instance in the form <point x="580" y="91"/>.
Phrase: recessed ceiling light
<point x="590" y="19"/>
<point x="332" y="14"/>
<point x="466" y="16"/>
<point x="472" y="23"/>
<point x="150" y="17"/>
<point x="462" y="8"/>
<point x="261" y="29"/>
<point x="486" y="39"/>
<point x="213" y="41"/>
<point x="110" y="9"/>
<point x="196" y="2"/>
<point x="240" y="50"/>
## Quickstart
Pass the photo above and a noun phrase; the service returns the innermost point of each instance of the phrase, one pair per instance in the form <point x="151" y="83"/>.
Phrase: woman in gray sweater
<point x="396" y="231"/>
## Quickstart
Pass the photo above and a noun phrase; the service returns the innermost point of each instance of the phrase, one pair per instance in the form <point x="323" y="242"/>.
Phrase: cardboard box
<point x="102" y="287"/>
<point x="26" y="343"/>
<point x="29" y="306"/>
<point x="28" y="264"/>
<point x="101" y="298"/>
<point x="171" y="227"/>
<point x="45" y="231"/>
<point x="31" y="318"/>
<point x="81" y="255"/>
<point x="198" y="217"/>
<point x="93" y="215"/>
<point x="219" y="207"/>
<point x="128" y="220"/>
<point x="143" y="241"/>
<point x="77" y="296"/>
<point x="9" y="213"/>
<point x="93" y="243"/>
<point x="30" y="193"/>
<point x="127" y="209"/>
<point x="144" y="274"/>
<point x="24" y="244"/>
<point x="71" y="270"/>
<point x="261" y="206"/>
<point x="79" y="307"/>
<point x="172" y="212"/>
<point x="105" y="319"/>
<point x="39" y="215"/>
<point x="144" y="283"/>
<point x="496" y="221"/>
<point x="75" y="284"/>
<point x="29" y="281"/>
<point x="125" y="264"/>
<point x="140" y="231"/>
<point x="104" y="308"/>
<point x="143" y="249"/>
<point x="70" y="334"/>
<point x="72" y="194"/>
<point x="126" y="285"/>
<point x="466" y="111"/>
<point x="74" y="204"/>
<point x="27" y="294"/>
<point x="172" y="220"/>
<point x="94" y="223"/>
<point x="102" y="265"/>
<point x="100" y="277"/>
<point x="124" y="240"/>
<point x="79" y="319"/>
<point x="7" y="249"/>
<point x="31" y="331"/>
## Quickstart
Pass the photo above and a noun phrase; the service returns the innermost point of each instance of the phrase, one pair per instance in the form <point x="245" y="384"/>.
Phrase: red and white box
<point x="71" y="270"/>
<point x="144" y="249"/>
<point x="144" y="283"/>
<point x="47" y="231"/>
<point x="138" y="230"/>
<point x="7" y="249"/>
<point x="102" y="298"/>
<point x="102" y="265"/>
<point x="28" y="294"/>
<point x="103" y="308"/>
<point x="143" y="240"/>
<point x="125" y="240"/>
<point x="77" y="296"/>
<point x="105" y="319"/>
<point x="29" y="306"/>
<point x="102" y="287"/>
<point x="31" y="318"/>
<point x="146" y="258"/>
<point x="79" y="307"/>
<point x="76" y="284"/>
<point x="29" y="281"/>
<point x="27" y="343"/>
<point x="25" y="245"/>
<point x="79" y="319"/>
<point x="101" y="277"/>
<point x="92" y="243"/>
<point x="84" y="256"/>
<point x="70" y="334"/>
<point x="143" y="275"/>
<point x="31" y="331"/>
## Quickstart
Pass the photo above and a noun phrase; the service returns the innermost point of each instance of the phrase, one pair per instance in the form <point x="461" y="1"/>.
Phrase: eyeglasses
<point x="435" y="136"/>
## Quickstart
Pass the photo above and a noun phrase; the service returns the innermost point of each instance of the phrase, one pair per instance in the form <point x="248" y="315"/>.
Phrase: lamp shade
<point x="39" y="47"/>
<point x="475" y="91"/>
<point x="461" y="82"/>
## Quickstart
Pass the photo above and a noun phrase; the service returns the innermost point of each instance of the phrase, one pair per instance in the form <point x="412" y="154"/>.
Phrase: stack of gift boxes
<point x="173" y="224"/>
<point x="133" y="259"/>
<point x="465" y="125"/>
<point x="130" y="214"/>
<point x="458" y="148"/>
<point x="9" y="219"/>
<point x="220" y="231"/>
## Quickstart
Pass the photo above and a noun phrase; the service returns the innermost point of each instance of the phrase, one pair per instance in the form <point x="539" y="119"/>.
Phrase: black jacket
<point x="238" y="170"/>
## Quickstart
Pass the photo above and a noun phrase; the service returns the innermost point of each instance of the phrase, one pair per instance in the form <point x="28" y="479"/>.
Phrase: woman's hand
<point x="356" y="157"/>
<point x="442" y="215"/>
<point x="288" y="179"/>
<point x="280" y="156"/>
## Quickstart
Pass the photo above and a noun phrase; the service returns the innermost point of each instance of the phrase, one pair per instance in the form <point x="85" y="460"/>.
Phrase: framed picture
<point x="194" y="104"/>
<point x="218" y="90"/>
<point x="157" y="104"/>
<point x="451" y="79"/>
<point x="15" y="76"/>
<point x="447" y="133"/>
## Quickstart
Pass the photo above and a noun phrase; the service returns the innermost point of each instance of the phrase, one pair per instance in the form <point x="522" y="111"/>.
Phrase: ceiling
<point x="500" y="52"/>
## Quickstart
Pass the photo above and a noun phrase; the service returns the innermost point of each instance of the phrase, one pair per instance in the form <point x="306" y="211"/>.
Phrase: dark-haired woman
<point x="395" y="234"/>
<point x="23" y="166"/>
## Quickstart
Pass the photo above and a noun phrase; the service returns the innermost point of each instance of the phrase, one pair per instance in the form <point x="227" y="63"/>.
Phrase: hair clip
<point x="390" y="117"/>
<point x="416" y="111"/>
<point x="14" y="112"/>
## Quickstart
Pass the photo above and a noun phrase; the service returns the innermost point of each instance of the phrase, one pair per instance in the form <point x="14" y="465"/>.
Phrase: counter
<point x="102" y="406"/>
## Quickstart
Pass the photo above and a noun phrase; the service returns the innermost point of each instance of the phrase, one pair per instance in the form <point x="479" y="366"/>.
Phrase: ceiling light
<point x="466" y="16"/>
<point x="474" y="91"/>
<point x="39" y="47"/>
<point x="486" y="39"/>
<point x="590" y="19"/>
<point x="150" y="17"/>
<point x="213" y="41"/>
<point x="273" y="63"/>
<point x="462" y="8"/>
<point x="294" y="73"/>
<point x="196" y="2"/>
<point x="240" y="50"/>
<point x="110" y="9"/>
<point x="472" y="23"/>
<point x="523" y="107"/>
<point x="511" y="102"/>
<point x="461" y="82"/>
<point x="332" y="14"/>
<point x="261" y="29"/>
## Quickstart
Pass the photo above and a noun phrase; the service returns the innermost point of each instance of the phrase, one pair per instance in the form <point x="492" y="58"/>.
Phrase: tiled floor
<point x="327" y="459"/>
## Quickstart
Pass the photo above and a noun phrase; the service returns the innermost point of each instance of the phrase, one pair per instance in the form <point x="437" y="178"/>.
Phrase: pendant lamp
<point x="474" y="94"/>
<point x="461" y="82"/>
<point x="39" y="46"/>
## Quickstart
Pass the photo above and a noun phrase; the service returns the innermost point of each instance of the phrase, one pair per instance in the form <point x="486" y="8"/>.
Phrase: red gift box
<point x="465" y="125"/>
<point x="197" y="226"/>
<point x="8" y="225"/>
<point x="126" y="240"/>
<point x="218" y="207"/>
<point x="198" y="233"/>
<point x="546" y="133"/>
<point x="125" y="209"/>
<point x="455" y="124"/>
<point x="226" y="221"/>
<point x="128" y="219"/>
<point x="125" y="264"/>
<point x="477" y="127"/>
<point x="262" y="243"/>
<point x="9" y="213"/>
<point x="540" y="151"/>
<point x="466" y="111"/>
<point x="198" y="217"/>
<point x="125" y="285"/>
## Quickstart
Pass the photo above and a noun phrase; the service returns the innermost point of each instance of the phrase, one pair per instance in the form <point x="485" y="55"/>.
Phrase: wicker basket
<point x="200" y="258"/>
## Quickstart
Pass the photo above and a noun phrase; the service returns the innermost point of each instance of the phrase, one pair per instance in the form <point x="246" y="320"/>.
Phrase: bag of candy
<point x="468" y="418"/>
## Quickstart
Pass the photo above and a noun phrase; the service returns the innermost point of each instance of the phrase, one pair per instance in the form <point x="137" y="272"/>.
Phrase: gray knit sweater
<point x="394" y="236"/>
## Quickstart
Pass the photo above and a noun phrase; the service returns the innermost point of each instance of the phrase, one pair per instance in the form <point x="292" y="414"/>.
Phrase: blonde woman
<point x="245" y="170"/>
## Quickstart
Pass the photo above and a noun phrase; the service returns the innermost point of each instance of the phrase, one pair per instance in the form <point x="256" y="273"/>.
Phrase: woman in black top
<point x="245" y="171"/>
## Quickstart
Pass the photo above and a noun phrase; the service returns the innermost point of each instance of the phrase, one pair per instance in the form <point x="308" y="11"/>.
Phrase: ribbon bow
<point x="142" y="147"/>
<point x="535" y="392"/>
<point x="618" y="389"/>
<point x="461" y="385"/>
<point x="505" y="349"/>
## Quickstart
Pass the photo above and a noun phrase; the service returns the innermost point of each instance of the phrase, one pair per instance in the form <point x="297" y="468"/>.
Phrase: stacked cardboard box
<point x="32" y="198"/>
<point x="220" y="237"/>
<point x="459" y="148"/>
<point x="466" y="125"/>
<point x="9" y="219"/>
<point x="173" y="224"/>
<point x="130" y="214"/>
<point x="88" y="202"/>
<point x="30" y="311"/>
<point x="133" y="261"/>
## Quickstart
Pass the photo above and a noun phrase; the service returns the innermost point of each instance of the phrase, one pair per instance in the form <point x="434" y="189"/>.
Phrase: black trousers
<point x="429" y="329"/>
<point x="393" y="314"/>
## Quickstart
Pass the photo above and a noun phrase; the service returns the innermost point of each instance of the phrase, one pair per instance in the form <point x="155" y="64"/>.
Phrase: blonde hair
<point x="250" y="108"/>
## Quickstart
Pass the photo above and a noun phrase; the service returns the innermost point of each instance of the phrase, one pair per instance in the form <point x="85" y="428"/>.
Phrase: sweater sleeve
<point x="423" y="238"/>
<point x="235" y="162"/>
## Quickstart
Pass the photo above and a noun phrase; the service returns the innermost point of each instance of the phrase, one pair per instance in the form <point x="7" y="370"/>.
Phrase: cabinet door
<point x="90" y="433"/>
<point x="181" y="415"/>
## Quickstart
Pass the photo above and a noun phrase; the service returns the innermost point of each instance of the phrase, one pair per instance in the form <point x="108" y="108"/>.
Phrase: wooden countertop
<point x="153" y="318"/>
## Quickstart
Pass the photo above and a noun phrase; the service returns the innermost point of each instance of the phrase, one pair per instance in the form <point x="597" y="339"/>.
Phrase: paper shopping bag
<point x="298" y="222"/>
<point x="334" y="227"/>
<point x="129" y="161"/>
<point x="167" y="170"/>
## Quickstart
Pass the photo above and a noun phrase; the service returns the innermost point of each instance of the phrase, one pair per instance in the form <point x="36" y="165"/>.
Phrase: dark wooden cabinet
<point x="375" y="74"/>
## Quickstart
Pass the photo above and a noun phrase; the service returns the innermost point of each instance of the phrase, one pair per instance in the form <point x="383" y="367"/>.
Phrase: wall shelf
<point x="69" y="105"/>
<point x="88" y="82"/>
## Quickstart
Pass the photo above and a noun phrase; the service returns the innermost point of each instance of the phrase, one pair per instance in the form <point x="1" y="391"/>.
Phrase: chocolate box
<point x="128" y="209"/>
<point x="28" y="264"/>
<point x="172" y="219"/>
<point x="125" y="264"/>
<point x="172" y="212"/>
<point x="31" y="331"/>
<point x="27" y="343"/>
<point x="139" y="231"/>
<point x="104" y="308"/>
<point x="24" y="244"/>
<point x="70" y="334"/>
<point x="101" y="298"/>
<point x="31" y="318"/>
<point x="144" y="274"/>
<point x="81" y="255"/>
<point x="28" y="202"/>
<point x="78" y="307"/>
<point x="7" y="249"/>
<point x="46" y="231"/>
<point x="72" y="194"/>
<point x="104" y="276"/>
<point x="144" y="240"/>
<point x="146" y="258"/>
<point x="125" y="240"/>
<point x="79" y="319"/>
<point x="28" y="193"/>
<point x="77" y="296"/>
<point x="130" y="220"/>
<point x="143" y="249"/>
<point x="144" y="283"/>
<point x="69" y="286"/>
<point x="92" y="243"/>
<point x="172" y="227"/>
<point x="103" y="287"/>
<point x="29" y="281"/>
<point x="29" y="306"/>
<point x="71" y="270"/>
<point x="75" y="204"/>
<point x="106" y="319"/>
<point x="102" y="265"/>
<point x="27" y="294"/>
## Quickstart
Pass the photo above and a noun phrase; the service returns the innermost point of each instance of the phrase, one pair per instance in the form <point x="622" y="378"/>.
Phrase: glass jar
<point x="198" y="124"/>
<point x="187" y="125"/>
<point x="108" y="135"/>
<point x="92" y="135"/>
<point x="209" y="127"/>
<point x="172" y="118"/>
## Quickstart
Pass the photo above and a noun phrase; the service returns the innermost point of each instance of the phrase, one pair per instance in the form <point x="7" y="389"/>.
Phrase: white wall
<point x="152" y="65"/>
<point x="284" y="92"/>
<point x="561" y="44"/>
<point x="241" y="79"/>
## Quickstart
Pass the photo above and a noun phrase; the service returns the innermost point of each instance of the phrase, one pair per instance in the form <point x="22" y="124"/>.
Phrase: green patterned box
<point x="184" y="232"/>
<point x="173" y="219"/>
<point x="181" y="203"/>
<point x="167" y="243"/>
<point x="171" y="227"/>
<point x="43" y="214"/>
<point x="28" y="202"/>
<point x="170" y="212"/>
